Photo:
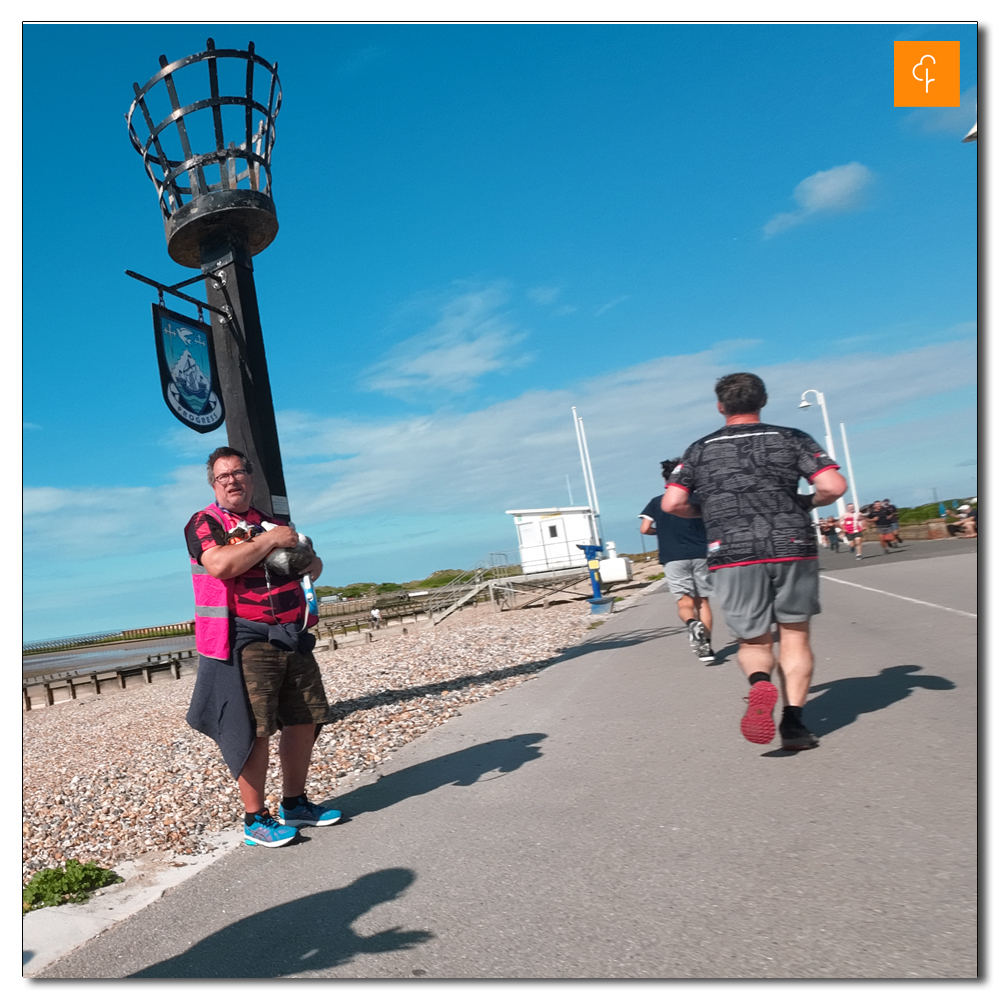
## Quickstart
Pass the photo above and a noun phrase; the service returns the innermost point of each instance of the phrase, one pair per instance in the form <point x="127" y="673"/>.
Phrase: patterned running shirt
<point x="283" y="602"/>
<point x="745" y="478"/>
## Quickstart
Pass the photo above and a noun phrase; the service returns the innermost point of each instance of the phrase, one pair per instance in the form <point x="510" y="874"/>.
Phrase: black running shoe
<point x="795" y="736"/>
<point x="697" y="634"/>
<point x="704" y="652"/>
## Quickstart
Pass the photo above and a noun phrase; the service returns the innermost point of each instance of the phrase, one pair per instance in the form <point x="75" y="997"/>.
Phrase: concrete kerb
<point x="51" y="933"/>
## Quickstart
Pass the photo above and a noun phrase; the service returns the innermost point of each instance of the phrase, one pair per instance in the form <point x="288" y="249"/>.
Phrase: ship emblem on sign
<point x="187" y="370"/>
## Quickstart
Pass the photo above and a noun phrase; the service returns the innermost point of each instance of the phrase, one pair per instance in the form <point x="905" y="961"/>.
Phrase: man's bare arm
<point x="648" y="526"/>
<point x="675" y="501"/>
<point x="830" y="485"/>
<point x="226" y="561"/>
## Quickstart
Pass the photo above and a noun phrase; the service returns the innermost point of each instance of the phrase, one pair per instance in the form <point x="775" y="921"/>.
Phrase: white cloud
<point x="544" y="295"/>
<point x="471" y="338"/>
<point x="601" y="310"/>
<point x="435" y="487"/>
<point x="827" y="192"/>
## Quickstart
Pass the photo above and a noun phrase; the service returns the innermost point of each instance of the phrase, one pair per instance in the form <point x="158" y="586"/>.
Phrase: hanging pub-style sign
<point x="188" y="373"/>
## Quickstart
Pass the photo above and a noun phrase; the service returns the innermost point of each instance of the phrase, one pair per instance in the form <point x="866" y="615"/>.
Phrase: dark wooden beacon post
<point x="210" y="162"/>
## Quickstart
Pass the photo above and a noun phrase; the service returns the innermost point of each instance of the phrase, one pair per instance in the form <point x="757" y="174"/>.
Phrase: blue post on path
<point x="598" y="603"/>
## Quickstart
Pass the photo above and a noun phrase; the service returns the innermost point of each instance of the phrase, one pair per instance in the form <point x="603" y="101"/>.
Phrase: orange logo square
<point x="925" y="75"/>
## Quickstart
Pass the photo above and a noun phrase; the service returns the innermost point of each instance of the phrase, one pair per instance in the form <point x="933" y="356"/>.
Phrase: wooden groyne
<point x="72" y="680"/>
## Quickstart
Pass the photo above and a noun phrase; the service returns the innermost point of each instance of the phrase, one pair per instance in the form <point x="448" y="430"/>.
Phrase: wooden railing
<point x="180" y="628"/>
<point x="99" y="638"/>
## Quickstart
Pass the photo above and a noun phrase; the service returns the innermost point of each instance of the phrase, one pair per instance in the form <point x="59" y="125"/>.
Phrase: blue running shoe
<point x="307" y="813"/>
<point x="265" y="832"/>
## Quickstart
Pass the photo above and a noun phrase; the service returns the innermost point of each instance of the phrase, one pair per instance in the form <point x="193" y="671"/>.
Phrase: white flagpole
<point x="578" y="426"/>
<point x="593" y="485"/>
<point x="850" y="470"/>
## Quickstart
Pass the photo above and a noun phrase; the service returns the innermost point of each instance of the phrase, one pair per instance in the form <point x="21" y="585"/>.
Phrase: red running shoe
<point x="757" y="724"/>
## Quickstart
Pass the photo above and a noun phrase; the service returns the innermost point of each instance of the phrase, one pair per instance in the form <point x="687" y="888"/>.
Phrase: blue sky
<point x="482" y="226"/>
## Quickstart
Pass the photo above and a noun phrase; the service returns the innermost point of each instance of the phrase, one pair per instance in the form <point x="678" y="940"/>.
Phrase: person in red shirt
<point x="854" y="525"/>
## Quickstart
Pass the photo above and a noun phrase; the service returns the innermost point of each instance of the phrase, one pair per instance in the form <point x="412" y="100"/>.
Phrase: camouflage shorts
<point x="283" y="687"/>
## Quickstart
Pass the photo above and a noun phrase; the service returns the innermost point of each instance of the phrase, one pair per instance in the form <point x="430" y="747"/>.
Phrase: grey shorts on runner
<point x="688" y="576"/>
<point x="753" y="597"/>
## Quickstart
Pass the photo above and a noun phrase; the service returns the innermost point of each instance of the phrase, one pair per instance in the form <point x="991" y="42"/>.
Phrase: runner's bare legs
<point x="689" y="607"/>
<point x="757" y="655"/>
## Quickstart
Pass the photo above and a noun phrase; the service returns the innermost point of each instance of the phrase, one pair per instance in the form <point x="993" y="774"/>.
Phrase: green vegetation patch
<point x="437" y="579"/>
<point x="72" y="884"/>
<point x="926" y="512"/>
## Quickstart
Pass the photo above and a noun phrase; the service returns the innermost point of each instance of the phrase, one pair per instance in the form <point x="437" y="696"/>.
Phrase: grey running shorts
<point x="688" y="576"/>
<point x="752" y="597"/>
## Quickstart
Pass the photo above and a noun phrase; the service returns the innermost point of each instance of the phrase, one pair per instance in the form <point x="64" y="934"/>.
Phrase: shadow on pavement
<point x="843" y="701"/>
<point x="618" y="640"/>
<point x="722" y="655"/>
<point x="305" y="934"/>
<point x="341" y="709"/>
<point x="463" y="767"/>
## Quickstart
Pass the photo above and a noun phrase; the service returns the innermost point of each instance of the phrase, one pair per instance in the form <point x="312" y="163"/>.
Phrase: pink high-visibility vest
<point x="213" y="601"/>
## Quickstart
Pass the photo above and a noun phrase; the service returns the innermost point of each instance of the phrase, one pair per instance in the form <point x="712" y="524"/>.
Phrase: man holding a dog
<point x="256" y="670"/>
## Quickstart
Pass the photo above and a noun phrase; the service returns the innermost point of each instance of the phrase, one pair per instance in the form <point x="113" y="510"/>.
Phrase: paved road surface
<point x="607" y="820"/>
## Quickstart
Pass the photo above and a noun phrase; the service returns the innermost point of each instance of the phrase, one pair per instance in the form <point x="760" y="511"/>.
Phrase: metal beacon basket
<point x="210" y="160"/>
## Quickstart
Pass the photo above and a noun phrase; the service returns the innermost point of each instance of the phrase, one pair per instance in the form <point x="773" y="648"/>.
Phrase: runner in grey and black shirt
<point x="761" y="545"/>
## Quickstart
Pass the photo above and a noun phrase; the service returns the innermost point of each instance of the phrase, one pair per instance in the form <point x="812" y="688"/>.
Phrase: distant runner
<point x="853" y="525"/>
<point x="828" y="529"/>
<point x="882" y="519"/>
<point x="894" y="512"/>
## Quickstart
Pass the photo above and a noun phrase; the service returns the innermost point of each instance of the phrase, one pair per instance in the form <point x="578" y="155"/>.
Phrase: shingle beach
<point x="109" y="777"/>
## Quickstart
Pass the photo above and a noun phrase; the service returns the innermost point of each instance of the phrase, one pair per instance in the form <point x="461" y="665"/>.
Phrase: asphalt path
<point x="607" y="820"/>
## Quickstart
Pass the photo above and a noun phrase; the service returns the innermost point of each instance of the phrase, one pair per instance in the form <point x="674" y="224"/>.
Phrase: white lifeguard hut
<point x="548" y="537"/>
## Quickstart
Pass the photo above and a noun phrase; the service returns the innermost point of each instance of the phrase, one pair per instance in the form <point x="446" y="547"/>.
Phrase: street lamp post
<point x="830" y="450"/>
<point x="210" y="162"/>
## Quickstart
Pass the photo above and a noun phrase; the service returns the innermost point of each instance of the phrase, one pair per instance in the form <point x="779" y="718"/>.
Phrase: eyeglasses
<point x="239" y="475"/>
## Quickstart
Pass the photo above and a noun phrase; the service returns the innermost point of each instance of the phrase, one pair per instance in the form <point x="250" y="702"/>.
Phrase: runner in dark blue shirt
<point x="683" y="551"/>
